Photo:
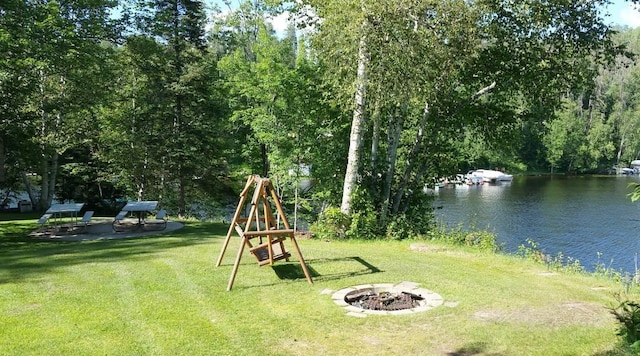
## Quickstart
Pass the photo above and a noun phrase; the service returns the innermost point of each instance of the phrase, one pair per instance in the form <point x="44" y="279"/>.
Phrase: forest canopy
<point x="104" y="101"/>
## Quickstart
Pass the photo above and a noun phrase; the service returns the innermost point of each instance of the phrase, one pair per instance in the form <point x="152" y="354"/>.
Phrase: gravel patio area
<point x="98" y="230"/>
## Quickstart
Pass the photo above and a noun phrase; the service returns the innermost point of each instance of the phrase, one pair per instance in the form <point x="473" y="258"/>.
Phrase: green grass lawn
<point x="163" y="295"/>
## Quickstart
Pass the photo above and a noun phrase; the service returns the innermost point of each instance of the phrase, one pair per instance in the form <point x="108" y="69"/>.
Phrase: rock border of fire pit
<point x="431" y="299"/>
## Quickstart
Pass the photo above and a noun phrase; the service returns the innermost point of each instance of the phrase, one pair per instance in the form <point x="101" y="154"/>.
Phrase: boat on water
<point x="474" y="180"/>
<point x="490" y="176"/>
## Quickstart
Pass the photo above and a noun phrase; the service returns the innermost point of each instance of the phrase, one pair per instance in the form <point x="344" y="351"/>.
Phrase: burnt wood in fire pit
<point x="370" y="299"/>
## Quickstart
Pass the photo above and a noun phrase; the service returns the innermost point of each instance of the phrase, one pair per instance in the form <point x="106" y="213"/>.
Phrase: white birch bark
<point x="357" y="123"/>
<point x="375" y="141"/>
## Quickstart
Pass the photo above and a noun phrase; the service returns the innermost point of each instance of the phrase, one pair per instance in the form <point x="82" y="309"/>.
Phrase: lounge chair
<point x="159" y="220"/>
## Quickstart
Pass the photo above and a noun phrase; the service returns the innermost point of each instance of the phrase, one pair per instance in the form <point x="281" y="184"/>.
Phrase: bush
<point x="482" y="240"/>
<point x="628" y="314"/>
<point x="331" y="224"/>
<point x="361" y="224"/>
<point x="400" y="228"/>
<point x="364" y="218"/>
<point x="364" y="225"/>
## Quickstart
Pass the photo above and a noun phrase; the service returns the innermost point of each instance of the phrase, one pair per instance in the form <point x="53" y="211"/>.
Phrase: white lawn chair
<point x="118" y="220"/>
<point x="44" y="219"/>
<point x="86" y="219"/>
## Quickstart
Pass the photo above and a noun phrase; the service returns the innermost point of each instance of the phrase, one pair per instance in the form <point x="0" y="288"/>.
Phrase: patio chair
<point x="159" y="220"/>
<point x="86" y="219"/>
<point x="44" y="219"/>
<point x="118" y="220"/>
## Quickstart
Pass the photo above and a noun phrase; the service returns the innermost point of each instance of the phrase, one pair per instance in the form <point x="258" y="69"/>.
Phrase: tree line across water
<point x="104" y="100"/>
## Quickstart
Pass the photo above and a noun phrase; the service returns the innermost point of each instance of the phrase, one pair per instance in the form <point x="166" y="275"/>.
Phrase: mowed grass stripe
<point x="163" y="295"/>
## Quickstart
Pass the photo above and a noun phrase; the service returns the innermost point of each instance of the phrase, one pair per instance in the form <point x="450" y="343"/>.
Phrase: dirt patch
<point x="304" y="235"/>
<point x="422" y="247"/>
<point x="571" y="313"/>
<point x="18" y="310"/>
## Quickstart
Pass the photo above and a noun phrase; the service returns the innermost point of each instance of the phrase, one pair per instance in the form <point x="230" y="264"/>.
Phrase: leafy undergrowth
<point x="163" y="295"/>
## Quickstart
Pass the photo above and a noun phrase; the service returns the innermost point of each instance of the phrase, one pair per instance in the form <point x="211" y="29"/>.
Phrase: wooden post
<point x="236" y="264"/>
<point x="243" y="197"/>
<point x="260" y="202"/>
<point x="302" y="262"/>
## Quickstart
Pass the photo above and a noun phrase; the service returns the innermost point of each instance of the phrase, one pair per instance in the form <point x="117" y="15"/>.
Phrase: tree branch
<point x="483" y="91"/>
<point x="474" y="97"/>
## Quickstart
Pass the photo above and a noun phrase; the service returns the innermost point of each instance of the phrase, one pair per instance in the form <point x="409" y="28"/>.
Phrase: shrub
<point x="532" y="252"/>
<point x="417" y="221"/>
<point x="364" y="225"/>
<point x="331" y="224"/>
<point x="482" y="240"/>
<point x="628" y="315"/>
<point x="400" y="228"/>
<point x="364" y="218"/>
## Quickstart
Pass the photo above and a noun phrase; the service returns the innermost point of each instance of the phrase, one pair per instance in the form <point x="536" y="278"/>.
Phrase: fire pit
<point x="386" y="299"/>
<point x="369" y="299"/>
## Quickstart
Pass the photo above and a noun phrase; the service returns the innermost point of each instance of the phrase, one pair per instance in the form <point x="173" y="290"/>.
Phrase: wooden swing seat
<point x="262" y="253"/>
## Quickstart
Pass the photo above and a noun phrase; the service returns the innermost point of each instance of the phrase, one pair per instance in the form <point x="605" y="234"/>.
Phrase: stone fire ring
<point x="431" y="299"/>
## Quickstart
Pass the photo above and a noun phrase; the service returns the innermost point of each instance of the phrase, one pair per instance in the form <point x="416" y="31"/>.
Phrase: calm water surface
<point x="576" y="216"/>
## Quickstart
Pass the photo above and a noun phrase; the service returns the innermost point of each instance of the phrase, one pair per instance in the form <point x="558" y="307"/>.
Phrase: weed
<point x="480" y="239"/>
<point x="628" y="315"/>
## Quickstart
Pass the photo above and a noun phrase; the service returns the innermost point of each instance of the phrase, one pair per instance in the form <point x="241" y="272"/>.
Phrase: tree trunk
<point x="418" y="178"/>
<point x="622" y="143"/>
<point x="357" y="124"/>
<point x="3" y="160"/>
<point x="53" y="174"/>
<point x="140" y="191"/>
<point x="182" y="198"/>
<point x="411" y="160"/>
<point x="375" y="141"/>
<point x="29" y="188"/>
<point x="265" y="160"/>
<point x="48" y="172"/>
<point x="396" y="125"/>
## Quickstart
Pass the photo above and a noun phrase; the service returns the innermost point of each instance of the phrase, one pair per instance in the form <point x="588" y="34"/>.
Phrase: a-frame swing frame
<point x="263" y="227"/>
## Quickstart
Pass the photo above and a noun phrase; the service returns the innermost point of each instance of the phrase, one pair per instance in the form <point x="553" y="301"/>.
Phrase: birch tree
<point x="434" y="68"/>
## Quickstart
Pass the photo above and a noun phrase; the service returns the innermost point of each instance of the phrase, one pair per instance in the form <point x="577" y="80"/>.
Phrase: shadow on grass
<point x="476" y="348"/>
<point x="19" y="216"/>
<point x="23" y="257"/>
<point x="294" y="270"/>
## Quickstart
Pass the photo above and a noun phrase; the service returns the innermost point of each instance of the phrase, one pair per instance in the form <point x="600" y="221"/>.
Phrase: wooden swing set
<point x="270" y="245"/>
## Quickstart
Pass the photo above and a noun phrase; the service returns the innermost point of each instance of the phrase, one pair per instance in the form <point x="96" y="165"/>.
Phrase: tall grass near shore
<point x="163" y="295"/>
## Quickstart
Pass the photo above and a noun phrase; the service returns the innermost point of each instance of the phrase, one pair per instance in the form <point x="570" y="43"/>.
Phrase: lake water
<point x="577" y="216"/>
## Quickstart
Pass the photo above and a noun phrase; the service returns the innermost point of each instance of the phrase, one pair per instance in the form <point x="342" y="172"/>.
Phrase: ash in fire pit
<point x="372" y="300"/>
<point x="386" y="299"/>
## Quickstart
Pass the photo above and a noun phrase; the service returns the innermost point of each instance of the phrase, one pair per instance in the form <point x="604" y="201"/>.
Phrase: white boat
<point x="490" y="176"/>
